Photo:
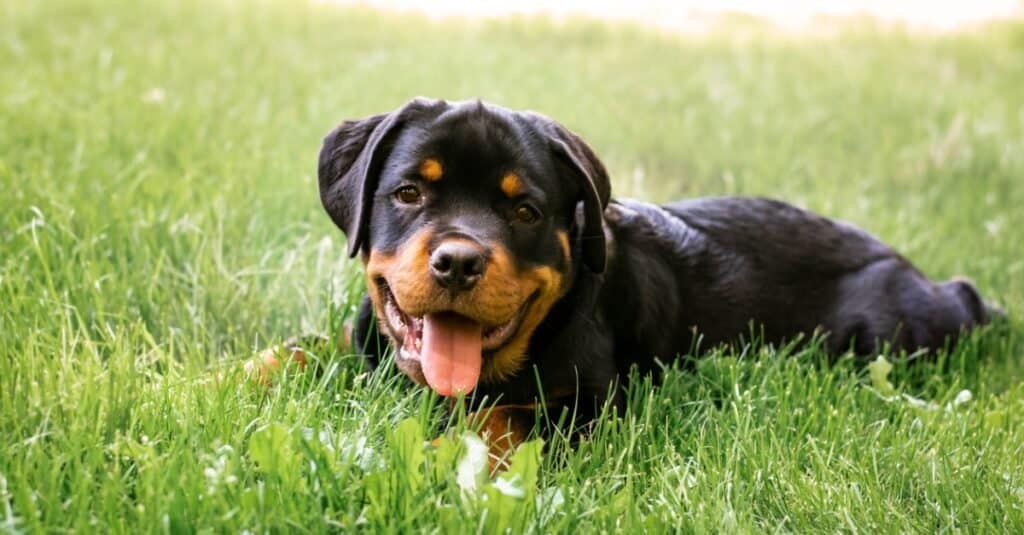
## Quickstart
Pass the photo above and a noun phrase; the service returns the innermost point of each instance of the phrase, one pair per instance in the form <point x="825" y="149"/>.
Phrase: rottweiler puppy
<point x="498" y="266"/>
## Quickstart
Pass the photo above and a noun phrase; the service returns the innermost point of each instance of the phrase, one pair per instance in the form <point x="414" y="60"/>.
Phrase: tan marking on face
<point x="546" y="283"/>
<point x="511" y="185"/>
<point x="379" y="264"/>
<point x="495" y="300"/>
<point x="431" y="170"/>
<point x="563" y="240"/>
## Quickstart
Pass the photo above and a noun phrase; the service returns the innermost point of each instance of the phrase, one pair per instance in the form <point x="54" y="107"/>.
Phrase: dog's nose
<point x="457" y="265"/>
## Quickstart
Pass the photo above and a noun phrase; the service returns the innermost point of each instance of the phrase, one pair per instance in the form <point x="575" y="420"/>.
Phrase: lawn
<point x="161" y="222"/>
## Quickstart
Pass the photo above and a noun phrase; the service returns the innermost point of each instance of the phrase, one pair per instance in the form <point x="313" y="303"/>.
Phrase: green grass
<point x="160" y="222"/>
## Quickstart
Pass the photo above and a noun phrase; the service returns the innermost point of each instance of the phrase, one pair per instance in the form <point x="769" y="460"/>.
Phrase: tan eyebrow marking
<point x="563" y="240"/>
<point x="431" y="170"/>
<point x="511" y="185"/>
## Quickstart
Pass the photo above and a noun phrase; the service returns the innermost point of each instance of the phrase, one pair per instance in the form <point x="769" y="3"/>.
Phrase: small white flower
<point x="155" y="95"/>
<point x="469" y="473"/>
<point x="994" y="226"/>
<point x="359" y="453"/>
<point x="964" y="396"/>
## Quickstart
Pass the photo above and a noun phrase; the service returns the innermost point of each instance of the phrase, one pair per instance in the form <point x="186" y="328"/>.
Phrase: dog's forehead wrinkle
<point x="481" y="125"/>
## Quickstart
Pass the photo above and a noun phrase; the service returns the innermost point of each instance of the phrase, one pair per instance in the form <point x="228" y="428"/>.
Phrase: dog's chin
<point x="406" y="331"/>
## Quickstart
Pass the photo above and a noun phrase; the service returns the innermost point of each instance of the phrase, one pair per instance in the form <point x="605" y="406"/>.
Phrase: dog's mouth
<point x="442" y="348"/>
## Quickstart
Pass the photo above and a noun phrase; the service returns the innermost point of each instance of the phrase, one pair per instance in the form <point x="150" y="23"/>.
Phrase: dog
<point x="499" y="267"/>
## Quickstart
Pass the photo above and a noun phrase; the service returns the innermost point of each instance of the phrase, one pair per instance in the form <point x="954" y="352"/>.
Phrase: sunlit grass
<point x="161" y="222"/>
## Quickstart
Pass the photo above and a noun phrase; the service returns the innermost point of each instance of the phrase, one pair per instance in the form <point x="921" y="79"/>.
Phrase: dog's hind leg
<point x="891" y="302"/>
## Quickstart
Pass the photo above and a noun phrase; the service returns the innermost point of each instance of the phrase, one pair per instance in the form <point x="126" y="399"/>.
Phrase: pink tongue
<point x="451" y="353"/>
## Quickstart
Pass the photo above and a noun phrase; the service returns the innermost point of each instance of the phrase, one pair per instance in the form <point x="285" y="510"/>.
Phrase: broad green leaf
<point x="523" y="467"/>
<point x="446" y="452"/>
<point x="879" y="370"/>
<point x="272" y="449"/>
<point x="408" y="442"/>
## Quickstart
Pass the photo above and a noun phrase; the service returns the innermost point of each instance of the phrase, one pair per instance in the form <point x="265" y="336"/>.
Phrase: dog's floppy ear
<point x="592" y="179"/>
<point x="350" y="164"/>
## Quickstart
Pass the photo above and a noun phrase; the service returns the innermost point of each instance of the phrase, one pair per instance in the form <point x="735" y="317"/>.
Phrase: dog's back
<point x="735" y="267"/>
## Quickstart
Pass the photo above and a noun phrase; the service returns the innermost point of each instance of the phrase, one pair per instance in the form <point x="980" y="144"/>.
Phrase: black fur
<point x="645" y="281"/>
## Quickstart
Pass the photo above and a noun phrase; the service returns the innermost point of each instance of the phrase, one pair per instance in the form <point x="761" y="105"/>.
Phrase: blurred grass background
<point x="161" y="221"/>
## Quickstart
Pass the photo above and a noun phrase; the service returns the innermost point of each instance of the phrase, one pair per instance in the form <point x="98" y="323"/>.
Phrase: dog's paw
<point x="504" y="428"/>
<point x="301" y="351"/>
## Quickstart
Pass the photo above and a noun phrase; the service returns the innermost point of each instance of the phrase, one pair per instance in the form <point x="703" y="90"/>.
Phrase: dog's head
<point x="472" y="221"/>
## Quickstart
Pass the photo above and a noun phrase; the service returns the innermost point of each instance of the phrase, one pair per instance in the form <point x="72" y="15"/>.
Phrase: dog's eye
<point x="408" y="195"/>
<point x="527" y="214"/>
